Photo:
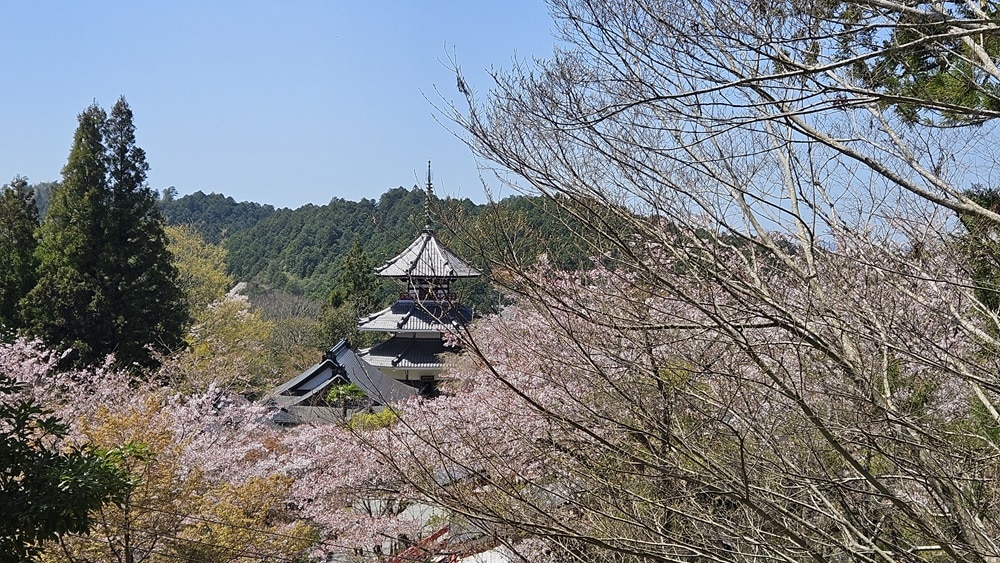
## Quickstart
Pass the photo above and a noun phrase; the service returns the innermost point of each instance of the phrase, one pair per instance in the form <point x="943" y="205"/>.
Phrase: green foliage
<point x="175" y="511"/>
<point x="357" y="275"/>
<point x="214" y="216"/>
<point x="107" y="283"/>
<point x="519" y="229"/>
<point x="201" y="267"/>
<point x="347" y="392"/>
<point x="326" y="252"/>
<point x="243" y="342"/>
<point x="45" y="490"/>
<point x="339" y="319"/>
<point x="150" y="304"/>
<point x="980" y="425"/>
<point x="303" y="250"/>
<point x="18" y="222"/>
<point x="373" y="421"/>
<point x="69" y="306"/>
<point x="352" y="297"/>
<point x="928" y="67"/>
<point x="294" y="341"/>
<point x="43" y="196"/>
<point x="227" y="345"/>
<point x="981" y="248"/>
<point x="298" y="250"/>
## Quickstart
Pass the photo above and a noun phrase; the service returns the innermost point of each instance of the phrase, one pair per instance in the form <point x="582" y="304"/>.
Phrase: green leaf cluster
<point x="930" y="69"/>
<point x="45" y="490"/>
<point x="980" y="246"/>
<point x="346" y="392"/>
<point x="373" y="421"/>
<point x="201" y="268"/>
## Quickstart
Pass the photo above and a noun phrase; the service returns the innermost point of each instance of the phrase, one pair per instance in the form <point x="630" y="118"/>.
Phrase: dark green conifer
<point x="149" y="301"/>
<point x="106" y="284"/>
<point x="68" y="307"/>
<point x="18" y="222"/>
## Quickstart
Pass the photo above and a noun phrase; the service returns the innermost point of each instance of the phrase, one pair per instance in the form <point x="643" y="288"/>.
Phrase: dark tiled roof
<point x="340" y="362"/>
<point x="380" y="387"/>
<point x="407" y="353"/>
<point x="299" y="414"/>
<point x="416" y="316"/>
<point x="304" y="388"/>
<point x="427" y="258"/>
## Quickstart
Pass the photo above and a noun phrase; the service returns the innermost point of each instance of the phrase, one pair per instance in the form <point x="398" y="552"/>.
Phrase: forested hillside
<point x="300" y="250"/>
<point x="214" y="216"/>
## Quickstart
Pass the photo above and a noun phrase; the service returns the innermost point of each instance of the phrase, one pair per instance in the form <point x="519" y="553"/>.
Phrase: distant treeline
<point x="300" y="250"/>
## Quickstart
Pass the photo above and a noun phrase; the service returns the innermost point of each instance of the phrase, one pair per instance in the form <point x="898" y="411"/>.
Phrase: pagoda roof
<point x="407" y="353"/>
<point x="416" y="316"/>
<point x="426" y="257"/>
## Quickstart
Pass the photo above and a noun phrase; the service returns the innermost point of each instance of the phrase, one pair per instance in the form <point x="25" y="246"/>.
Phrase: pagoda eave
<point x="408" y="353"/>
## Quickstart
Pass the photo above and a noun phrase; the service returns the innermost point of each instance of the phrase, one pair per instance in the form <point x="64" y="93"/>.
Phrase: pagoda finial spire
<point x="429" y="226"/>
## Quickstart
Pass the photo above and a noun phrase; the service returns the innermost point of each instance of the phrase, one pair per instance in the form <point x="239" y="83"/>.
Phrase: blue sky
<point x="280" y="102"/>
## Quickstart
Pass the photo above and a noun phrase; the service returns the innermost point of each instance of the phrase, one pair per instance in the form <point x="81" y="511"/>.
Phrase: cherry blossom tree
<point x="607" y="430"/>
<point x="214" y="478"/>
<point x="780" y="352"/>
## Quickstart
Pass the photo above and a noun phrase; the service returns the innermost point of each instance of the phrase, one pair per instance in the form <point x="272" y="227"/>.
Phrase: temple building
<point x="410" y="360"/>
<point x="425" y="310"/>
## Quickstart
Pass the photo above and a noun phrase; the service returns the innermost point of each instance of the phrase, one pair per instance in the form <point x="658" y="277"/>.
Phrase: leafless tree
<point x="780" y="353"/>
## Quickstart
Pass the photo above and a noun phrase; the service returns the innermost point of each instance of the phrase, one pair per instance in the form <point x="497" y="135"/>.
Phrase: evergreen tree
<point x="106" y="282"/>
<point x="357" y="276"/>
<point x="68" y="308"/>
<point x="353" y="296"/>
<point x="42" y="194"/>
<point x="980" y="247"/>
<point x="150" y="305"/>
<point x="929" y="70"/>
<point x="18" y="222"/>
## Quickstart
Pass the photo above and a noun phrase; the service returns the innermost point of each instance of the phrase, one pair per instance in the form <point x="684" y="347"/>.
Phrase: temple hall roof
<point x="416" y="316"/>
<point x="297" y="396"/>
<point x="427" y="258"/>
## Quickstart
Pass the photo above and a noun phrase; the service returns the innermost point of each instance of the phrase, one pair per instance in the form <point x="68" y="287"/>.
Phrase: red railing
<point x="420" y="550"/>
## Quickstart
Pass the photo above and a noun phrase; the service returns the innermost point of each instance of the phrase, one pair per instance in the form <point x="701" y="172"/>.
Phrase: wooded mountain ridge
<point x="300" y="250"/>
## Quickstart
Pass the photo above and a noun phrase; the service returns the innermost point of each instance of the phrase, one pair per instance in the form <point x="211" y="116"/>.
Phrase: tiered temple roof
<point x="412" y="315"/>
<point x="427" y="258"/>
<point x="424" y="311"/>
<point x="408" y="352"/>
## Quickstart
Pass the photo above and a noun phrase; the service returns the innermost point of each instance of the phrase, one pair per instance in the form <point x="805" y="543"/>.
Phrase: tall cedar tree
<point x="106" y="281"/>
<point x="18" y="222"/>
<point x="151" y="308"/>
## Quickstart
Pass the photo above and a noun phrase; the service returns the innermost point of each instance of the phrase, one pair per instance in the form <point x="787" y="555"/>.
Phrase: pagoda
<point x="409" y="362"/>
<point x="424" y="311"/>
